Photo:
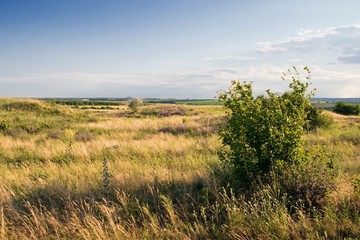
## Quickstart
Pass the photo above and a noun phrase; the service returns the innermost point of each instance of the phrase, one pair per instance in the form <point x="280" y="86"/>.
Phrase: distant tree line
<point x="347" y="108"/>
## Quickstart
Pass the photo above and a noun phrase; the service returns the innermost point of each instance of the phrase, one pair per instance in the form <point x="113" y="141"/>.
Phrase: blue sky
<point x="180" y="49"/>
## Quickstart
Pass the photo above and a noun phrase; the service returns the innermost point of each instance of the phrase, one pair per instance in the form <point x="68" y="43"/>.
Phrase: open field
<point x="72" y="173"/>
<point x="122" y="101"/>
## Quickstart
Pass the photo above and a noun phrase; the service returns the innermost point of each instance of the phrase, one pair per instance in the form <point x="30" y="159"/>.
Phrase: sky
<point x="175" y="48"/>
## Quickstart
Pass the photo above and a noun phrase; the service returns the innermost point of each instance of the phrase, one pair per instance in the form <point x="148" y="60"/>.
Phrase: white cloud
<point x="330" y="75"/>
<point x="353" y="57"/>
<point x="342" y="41"/>
<point x="329" y="83"/>
<point x="199" y="83"/>
<point x="264" y="71"/>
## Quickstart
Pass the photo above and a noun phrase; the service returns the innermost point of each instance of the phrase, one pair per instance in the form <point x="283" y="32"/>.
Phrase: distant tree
<point x="347" y="108"/>
<point x="134" y="104"/>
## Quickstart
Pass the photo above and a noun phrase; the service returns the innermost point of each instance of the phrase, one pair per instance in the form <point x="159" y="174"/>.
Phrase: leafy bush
<point x="316" y="119"/>
<point x="263" y="132"/>
<point x="314" y="116"/>
<point x="347" y="108"/>
<point x="264" y="138"/>
<point x="134" y="104"/>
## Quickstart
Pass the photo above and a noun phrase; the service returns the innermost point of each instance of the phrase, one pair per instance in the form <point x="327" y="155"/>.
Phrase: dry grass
<point x="161" y="179"/>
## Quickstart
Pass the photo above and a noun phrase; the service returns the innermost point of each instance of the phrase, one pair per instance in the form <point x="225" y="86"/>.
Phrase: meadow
<point x="110" y="173"/>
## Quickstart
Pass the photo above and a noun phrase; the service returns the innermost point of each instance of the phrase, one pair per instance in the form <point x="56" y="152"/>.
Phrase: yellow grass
<point x="52" y="187"/>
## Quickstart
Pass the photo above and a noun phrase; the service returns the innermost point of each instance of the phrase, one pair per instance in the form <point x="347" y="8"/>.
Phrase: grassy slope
<point x="161" y="182"/>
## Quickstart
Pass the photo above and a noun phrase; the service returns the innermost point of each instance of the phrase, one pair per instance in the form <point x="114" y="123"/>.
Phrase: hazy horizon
<point x="175" y="49"/>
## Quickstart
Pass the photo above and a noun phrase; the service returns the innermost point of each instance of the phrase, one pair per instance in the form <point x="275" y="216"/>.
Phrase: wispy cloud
<point x="342" y="41"/>
<point x="350" y="57"/>
<point x="202" y="82"/>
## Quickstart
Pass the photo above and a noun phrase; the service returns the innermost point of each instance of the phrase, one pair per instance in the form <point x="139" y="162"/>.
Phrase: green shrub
<point x="263" y="132"/>
<point x="314" y="116"/>
<point x="347" y="108"/>
<point x="316" y="119"/>
<point x="264" y="138"/>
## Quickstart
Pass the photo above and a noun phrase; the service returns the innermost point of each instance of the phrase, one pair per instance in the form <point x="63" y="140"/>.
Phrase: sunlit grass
<point x="163" y="178"/>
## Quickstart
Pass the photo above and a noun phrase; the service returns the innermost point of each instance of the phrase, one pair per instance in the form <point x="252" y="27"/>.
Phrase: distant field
<point x="87" y="102"/>
<point x="123" y="101"/>
<point x="185" y="101"/>
<point x="328" y="105"/>
<point x="324" y="103"/>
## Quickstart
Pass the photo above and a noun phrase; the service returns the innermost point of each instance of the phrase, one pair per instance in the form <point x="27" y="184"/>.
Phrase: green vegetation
<point x="347" y="108"/>
<point x="134" y="104"/>
<point x="183" y="101"/>
<point x="316" y="119"/>
<point x="73" y="173"/>
<point x="89" y="102"/>
<point x="265" y="140"/>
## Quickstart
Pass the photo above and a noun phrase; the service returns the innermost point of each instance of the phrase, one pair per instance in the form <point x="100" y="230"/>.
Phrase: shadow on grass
<point x="189" y="199"/>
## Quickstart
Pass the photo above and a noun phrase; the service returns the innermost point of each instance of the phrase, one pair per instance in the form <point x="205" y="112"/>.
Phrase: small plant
<point x="134" y="104"/>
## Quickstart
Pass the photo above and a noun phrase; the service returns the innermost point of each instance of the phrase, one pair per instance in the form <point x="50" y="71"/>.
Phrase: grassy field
<point x="330" y="105"/>
<point x="111" y="103"/>
<point x="184" y="101"/>
<point x="73" y="173"/>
